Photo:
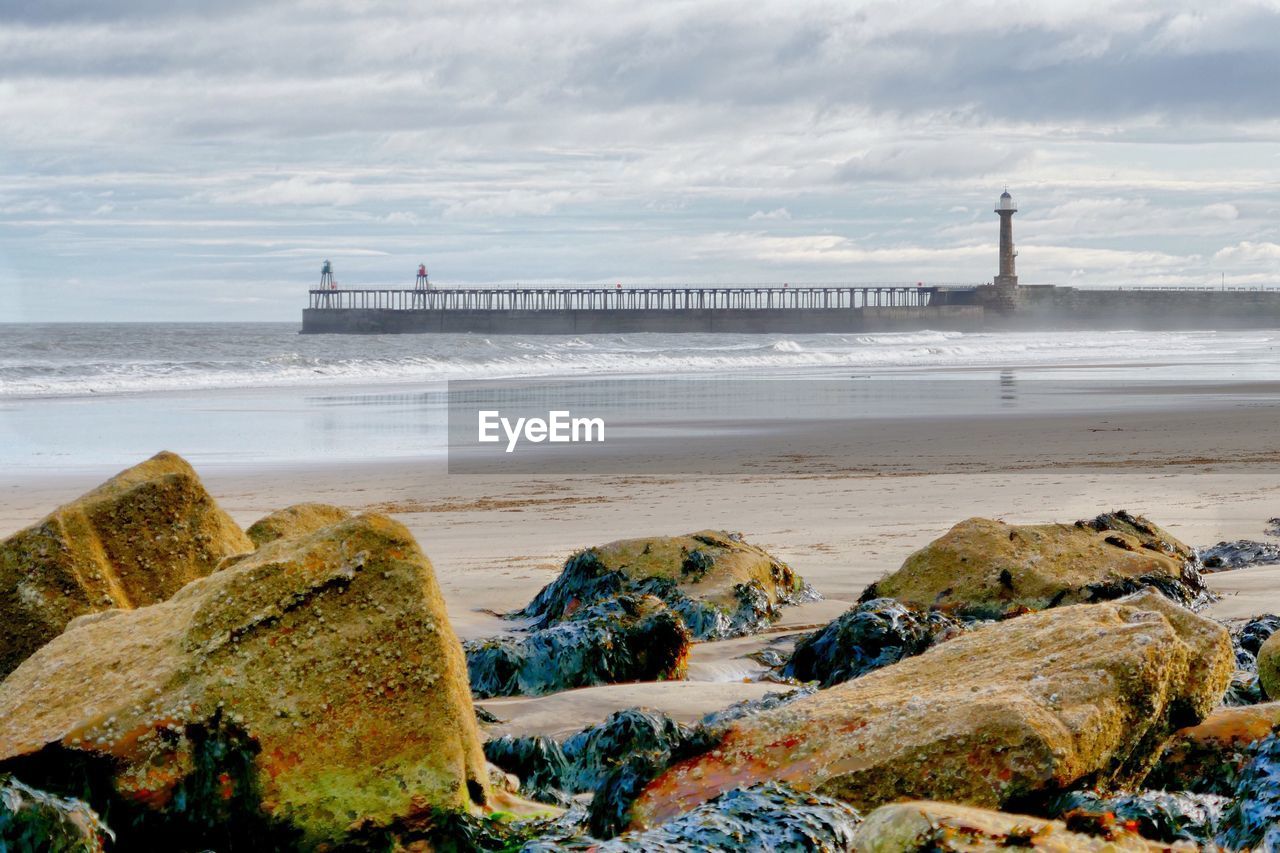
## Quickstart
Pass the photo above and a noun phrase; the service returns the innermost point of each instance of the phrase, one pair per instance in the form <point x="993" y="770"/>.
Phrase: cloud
<point x="582" y="141"/>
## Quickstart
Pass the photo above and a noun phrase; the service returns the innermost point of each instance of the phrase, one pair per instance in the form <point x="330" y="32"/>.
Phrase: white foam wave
<point x="261" y="360"/>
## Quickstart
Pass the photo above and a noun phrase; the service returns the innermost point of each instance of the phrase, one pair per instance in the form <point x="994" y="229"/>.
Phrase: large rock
<point x="934" y="826"/>
<point x="721" y="586"/>
<point x="133" y="541"/>
<point x="1005" y="713"/>
<point x="1269" y="666"/>
<point x="987" y="569"/>
<point x="314" y="684"/>
<point x="293" y="521"/>
<point x="1207" y="757"/>
<point x="628" y="638"/>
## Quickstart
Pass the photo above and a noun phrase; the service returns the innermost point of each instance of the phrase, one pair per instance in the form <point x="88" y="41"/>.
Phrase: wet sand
<point x="841" y="515"/>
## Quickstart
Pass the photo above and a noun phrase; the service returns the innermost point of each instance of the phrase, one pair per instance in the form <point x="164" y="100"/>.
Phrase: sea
<point x="90" y="396"/>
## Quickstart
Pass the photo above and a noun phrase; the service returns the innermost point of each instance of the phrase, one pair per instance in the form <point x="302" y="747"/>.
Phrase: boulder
<point x="986" y="569"/>
<point x="292" y="521"/>
<point x="1004" y="714"/>
<point x="1208" y="757"/>
<point x="133" y="541"/>
<point x="868" y="636"/>
<point x="721" y="586"/>
<point x="32" y="820"/>
<point x="628" y="638"/>
<point x="1269" y="666"/>
<point x="915" y="826"/>
<point x="314" y="684"/>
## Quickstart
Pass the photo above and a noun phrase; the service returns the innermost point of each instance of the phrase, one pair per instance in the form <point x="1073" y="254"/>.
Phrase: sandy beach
<point x="1207" y="472"/>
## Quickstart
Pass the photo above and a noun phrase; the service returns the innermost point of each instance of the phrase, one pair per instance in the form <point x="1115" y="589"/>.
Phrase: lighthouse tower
<point x="1005" y="209"/>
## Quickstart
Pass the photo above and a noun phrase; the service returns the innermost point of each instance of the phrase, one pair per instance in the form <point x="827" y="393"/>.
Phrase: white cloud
<point x="776" y="213"/>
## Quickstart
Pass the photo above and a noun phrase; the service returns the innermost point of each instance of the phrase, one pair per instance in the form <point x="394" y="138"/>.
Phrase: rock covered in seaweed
<point x="312" y="684"/>
<point x="719" y="585"/>
<point x="941" y="827"/>
<point x="770" y="818"/>
<point x="293" y="521"/>
<point x="1017" y="709"/>
<point x="553" y="771"/>
<point x="32" y="820"/>
<point x="134" y="540"/>
<point x="986" y="569"/>
<point x="628" y="638"/>
<point x="1155" y="815"/>
<point x="1269" y="666"/>
<point x="868" y="636"/>
<point x="1208" y="757"/>
<point x="1239" y="554"/>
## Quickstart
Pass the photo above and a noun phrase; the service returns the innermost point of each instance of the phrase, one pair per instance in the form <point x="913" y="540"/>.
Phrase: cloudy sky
<point x="172" y="159"/>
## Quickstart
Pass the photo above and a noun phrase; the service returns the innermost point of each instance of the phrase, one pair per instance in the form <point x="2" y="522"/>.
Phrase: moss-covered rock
<point x="1269" y="666"/>
<point x="315" y="684"/>
<point x="34" y="821"/>
<point x="986" y="569"/>
<point x="720" y="585"/>
<point x="628" y="638"/>
<point x="1005" y="713"/>
<point x="133" y="541"/>
<point x="942" y="827"/>
<point x="293" y="521"/>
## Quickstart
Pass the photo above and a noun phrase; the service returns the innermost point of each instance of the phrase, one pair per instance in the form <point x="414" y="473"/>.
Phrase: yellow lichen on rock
<point x="924" y="825"/>
<point x="331" y="654"/>
<point x="706" y="565"/>
<point x="133" y="541"/>
<point x="1026" y="706"/>
<point x="989" y="569"/>
<point x="292" y="521"/>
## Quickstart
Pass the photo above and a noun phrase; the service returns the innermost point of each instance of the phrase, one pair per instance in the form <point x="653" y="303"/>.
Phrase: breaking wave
<point x="69" y="360"/>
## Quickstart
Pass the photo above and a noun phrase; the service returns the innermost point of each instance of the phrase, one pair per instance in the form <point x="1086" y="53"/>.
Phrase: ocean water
<point x="101" y="396"/>
<point x="60" y="360"/>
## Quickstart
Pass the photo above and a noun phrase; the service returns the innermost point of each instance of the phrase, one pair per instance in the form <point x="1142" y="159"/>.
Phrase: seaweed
<point x="870" y="635"/>
<point x="627" y="638"/>
<point x="1157" y="815"/>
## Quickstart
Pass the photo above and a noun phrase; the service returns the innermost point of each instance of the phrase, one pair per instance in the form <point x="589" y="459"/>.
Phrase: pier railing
<point x="625" y="299"/>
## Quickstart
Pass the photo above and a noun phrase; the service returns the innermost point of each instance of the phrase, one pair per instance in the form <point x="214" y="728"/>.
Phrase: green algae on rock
<point x="315" y="683"/>
<point x="720" y="585"/>
<point x="133" y="541"/>
<point x="1006" y="712"/>
<point x="293" y="521"/>
<point x="986" y="569"/>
